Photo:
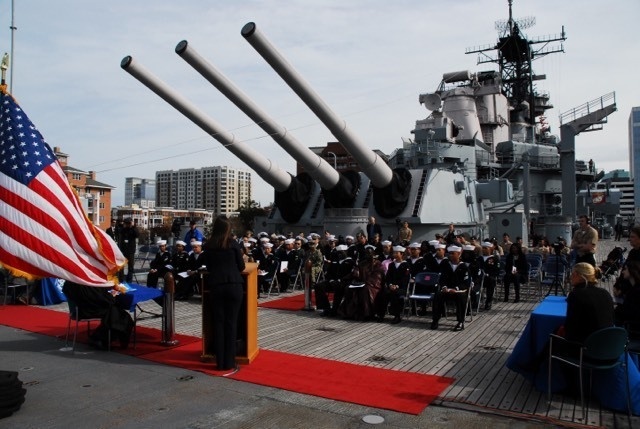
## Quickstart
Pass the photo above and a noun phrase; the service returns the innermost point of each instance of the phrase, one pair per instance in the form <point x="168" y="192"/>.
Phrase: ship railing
<point x="588" y="108"/>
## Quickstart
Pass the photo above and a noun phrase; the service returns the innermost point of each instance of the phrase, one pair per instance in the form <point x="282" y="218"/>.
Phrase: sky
<point x="368" y="59"/>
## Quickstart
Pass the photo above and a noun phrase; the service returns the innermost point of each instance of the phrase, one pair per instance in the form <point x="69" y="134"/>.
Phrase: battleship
<point x="483" y="159"/>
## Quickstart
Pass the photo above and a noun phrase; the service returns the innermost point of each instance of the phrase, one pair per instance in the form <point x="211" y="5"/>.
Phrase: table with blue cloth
<point x="137" y="294"/>
<point x="531" y="353"/>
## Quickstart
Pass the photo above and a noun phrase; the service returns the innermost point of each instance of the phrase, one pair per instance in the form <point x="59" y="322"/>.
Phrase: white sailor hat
<point x="440" y="246"/>
<point x="332" y="238"/>
<point x="434" y="243"/>
<point x="264" y="240"/>
<point x="267" y="244"/>
<point x="487" y="244"/>
<point x="342" y="247"/>
<point x="180" y="243"/>
<point x="247" y="244"/>
<point x="161" y="242"/>
<point x="196" y="243"/>
<point x="454" y="249"/>
<point x="349" y="237"/>
<point x="370" y="247"/>
<point x="386" y="243"/>
<point x="468" y="247"/>
<point x="415" y="245"/>
<point x="282" y="237"/>
<point x="399" y="249"/>
<point x="313" y="235"/>
<point x="263" y="234"/>
<point x="289" y="241"/>
<point x="253" y="240"/>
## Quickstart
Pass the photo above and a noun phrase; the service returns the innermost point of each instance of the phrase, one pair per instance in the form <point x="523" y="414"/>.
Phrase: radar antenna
<point x="514" y="54"/>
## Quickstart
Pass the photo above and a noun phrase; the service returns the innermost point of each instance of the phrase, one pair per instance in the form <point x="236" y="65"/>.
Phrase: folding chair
<point x="602" y="350"/>
<point x="297" y="278"/>
<point x="74" y="315"/>
<point x="422" y="289"/>
<point x="272" y="280"/>
<point x="13" y="285"/>
<point x="475" y="296"/>
<point x="535" y="273"/>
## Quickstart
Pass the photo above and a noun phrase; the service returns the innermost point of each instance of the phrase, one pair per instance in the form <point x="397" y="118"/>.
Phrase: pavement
<point x="99" y="389"/>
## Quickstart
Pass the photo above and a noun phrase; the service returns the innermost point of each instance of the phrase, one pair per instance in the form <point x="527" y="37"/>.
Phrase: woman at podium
<point x="224" y="262"/>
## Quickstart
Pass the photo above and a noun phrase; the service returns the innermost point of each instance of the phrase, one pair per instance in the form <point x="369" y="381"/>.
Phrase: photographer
<point x="584" y="241"/>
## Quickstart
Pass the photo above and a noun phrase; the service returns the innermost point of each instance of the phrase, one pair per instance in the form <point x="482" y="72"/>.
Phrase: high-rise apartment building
<point x="219" y="189"/>
<point x="140" y="191"/>
<point x="634" y="152"/>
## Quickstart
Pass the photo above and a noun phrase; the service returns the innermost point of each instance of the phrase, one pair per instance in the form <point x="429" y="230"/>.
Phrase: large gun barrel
<point x="282" y="182"/>
<point x="338" y="191"/>
<point x="391" y="187"/>
<point x="372" y="165"/>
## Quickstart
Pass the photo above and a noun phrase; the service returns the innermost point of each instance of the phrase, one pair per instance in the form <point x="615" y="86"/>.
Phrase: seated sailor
<point x="160" y="265"/>
<point x="454" y="281"/>
<point x="397" y="281"/>
<point x="338" y="277"/>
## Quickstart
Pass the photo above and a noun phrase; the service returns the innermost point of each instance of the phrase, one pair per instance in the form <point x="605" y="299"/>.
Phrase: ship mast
<point x="514" y="53"/>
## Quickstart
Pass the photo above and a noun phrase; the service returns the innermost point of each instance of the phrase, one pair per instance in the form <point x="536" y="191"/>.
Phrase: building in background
<point x="634" y="153"/>
<point x="221" y="190"/>
<point x="141" y="192"/>
<point x="95" y="196"/>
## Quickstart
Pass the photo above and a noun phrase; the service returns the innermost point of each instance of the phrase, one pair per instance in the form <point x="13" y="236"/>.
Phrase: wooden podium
<point x="247" y="341"/>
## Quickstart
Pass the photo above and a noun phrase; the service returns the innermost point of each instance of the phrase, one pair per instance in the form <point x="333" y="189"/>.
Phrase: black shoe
<point x="379" y="319"/>
<point x="459" y="327"/>
<point x="516" y="300"/>
<point x="434" y="325"/>
<point x="487" y="307"/>
<point x="396" y="320"/>
<point x="422" y="312"/>
<point x="505" y="300"/>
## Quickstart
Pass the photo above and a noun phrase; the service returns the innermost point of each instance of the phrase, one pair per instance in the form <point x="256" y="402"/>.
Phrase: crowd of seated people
<point x="361" y="279"/>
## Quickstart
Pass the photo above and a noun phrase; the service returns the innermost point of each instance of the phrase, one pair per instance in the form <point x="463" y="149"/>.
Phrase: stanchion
<point x="168" y="313"/>
<point x="307" y="292"/>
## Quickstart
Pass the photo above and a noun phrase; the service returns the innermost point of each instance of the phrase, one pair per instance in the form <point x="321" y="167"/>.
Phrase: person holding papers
<point x="224" y="262"/>
<point x="160" y="265"/>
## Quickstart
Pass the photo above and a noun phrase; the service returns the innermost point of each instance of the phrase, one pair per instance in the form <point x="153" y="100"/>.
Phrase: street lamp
<point x="335" y="160"/>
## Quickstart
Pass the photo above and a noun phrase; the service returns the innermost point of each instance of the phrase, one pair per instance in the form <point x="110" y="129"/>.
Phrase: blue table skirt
<point x="51" y="291"/>
<point x="530" y="359"/>
<point x="137" y="294"/>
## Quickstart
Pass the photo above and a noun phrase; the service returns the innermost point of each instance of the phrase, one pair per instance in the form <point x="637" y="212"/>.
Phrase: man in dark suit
<point x="128" y="240"/>
<point x="112" y="231"/>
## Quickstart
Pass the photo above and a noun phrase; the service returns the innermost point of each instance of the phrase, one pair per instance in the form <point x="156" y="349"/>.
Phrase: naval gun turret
<point x="391" y="187"/>
<point x="339" y="190"/>
<point x="291" y="193"/>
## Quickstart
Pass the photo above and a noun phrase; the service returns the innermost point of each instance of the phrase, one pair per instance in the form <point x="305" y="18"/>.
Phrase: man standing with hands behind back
<point x="584" y="241"/>
<point x="127" y="244"/>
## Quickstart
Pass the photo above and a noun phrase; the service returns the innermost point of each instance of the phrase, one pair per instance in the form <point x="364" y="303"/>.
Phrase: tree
<point x="247" y="213"/>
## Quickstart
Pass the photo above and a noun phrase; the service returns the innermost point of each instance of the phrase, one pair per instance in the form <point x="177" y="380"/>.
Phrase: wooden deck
<point x="474" y="357"/>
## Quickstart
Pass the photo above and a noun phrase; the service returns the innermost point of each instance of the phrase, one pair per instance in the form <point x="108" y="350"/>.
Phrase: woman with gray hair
<point x="589" y="307"/>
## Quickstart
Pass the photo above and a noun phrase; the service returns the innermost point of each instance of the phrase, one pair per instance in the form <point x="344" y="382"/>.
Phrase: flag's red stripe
<point x="17" y="263"/>
<point x="34" y="212"/>
<point x="62" y="206"/>
<point x="47" y="253"/>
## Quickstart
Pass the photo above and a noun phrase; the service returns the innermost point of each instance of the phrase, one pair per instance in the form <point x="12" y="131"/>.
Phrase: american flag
<point x="44" y="231"/>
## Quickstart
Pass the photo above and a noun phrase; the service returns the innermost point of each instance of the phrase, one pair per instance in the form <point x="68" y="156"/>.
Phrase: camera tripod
<point x="557" y="284"/>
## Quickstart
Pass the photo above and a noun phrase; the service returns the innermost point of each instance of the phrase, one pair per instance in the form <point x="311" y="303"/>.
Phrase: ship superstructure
<point x="483" y="159"/>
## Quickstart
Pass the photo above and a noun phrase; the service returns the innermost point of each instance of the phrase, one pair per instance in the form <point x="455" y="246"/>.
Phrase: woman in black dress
<point x="224" y="261"/>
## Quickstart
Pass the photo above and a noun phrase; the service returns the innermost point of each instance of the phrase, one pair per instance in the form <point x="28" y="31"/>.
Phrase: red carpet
<point x="373" y="387"/>
<point x="54" y="323"/>
<point x="369" y="386"/>
<point x="291" y="302"/>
